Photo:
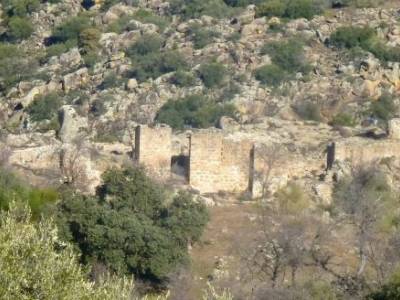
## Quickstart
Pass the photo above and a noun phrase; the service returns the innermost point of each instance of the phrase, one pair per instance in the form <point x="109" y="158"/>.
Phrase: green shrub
<point x="44" y="107"/>
<point x="19" y="8"/>
<point x="287" y="59"/>
<point x="183" y="79"/>
<point x="14" y="189"/>
<point x="89" y="40"/>
<point x="360" y="3"/>
<point x="271" y="75"/>
<point x="343" y="119"/>
<point x="384" y="108"/>
<point x="146" y="44"/>
<point x="390" y="290"/>
<point x="229" y="92"/>
<point x="150" y="62"/>
<point x="212" y="74"/>
<point x="234" y="37"/>
<point x="37" y="264"/>
<point x="308" y="111"/>
<point x="242" y="3"/>
<point x="201" y="37"/>
<point x="288" y="55"/>
<point x="19" y="28"/>
<point x="292" y="9"/>
<point x="194" y="111"/>
<point x="109" y="81"/>
<point x="271" y="8"/>
<point x="91" y="59"/>
<point x="146" y="16"/>
<point x="70" y="30"/>
<point x="122" y="24"/>
<point x="352" y="37"/>
<point x="108" y="3"/>
<point x="191" y="9"/>
<point x="15" y="65"/>
<point x="57" y="49"/>
<point x="154" y="65"/>
<point x="129" y="227"/>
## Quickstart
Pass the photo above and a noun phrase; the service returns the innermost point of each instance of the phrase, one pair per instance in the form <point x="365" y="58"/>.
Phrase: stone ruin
<point x="215" y="162"/>
<point x="212" y="163"/>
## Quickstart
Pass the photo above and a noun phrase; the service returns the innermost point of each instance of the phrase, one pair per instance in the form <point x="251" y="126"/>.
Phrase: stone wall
<point x="218" y="163"/>
<point x="362" y="151"/>
<point x="153" y="149"/>
<point x="275" y="168"/>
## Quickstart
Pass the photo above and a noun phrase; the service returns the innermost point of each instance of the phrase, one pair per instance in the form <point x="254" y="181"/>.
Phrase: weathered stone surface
<point x="76" y="79"/>
<point x="394" y="129"/>
<point x="73" y="126"/>
<point x="153" y="149"/>
<point x="71" y="58"/>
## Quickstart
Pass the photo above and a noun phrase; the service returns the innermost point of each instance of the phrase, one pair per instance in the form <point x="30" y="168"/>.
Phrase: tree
<point x="366" y="201"/>
<point x="130" y="228"/>
<point x="212" y="74"/>
<point x="36" y="264"/>
<point x="20" y="28"/>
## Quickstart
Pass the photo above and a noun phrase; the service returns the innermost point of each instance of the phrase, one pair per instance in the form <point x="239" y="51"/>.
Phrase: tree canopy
<point x="36" y="264"/>
<point x="130" y="227"/>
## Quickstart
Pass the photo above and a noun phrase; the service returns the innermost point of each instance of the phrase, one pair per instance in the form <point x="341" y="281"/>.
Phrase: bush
<point x="109" y="81"/>
<point x="343" y="119"/>
<point x="91" y="59"/>
<point x="352" y="37"/>
<point x="15" y="65"/>
<point x="14" y="189"/>
<point x="201" y="37"/>
<point x="358" y="3"/>
<point x="212" y="74"/>
<point x="183" y="79"/>
<point x="146" y="44"/>
<point x="292" y="199"/>
<point x="389" y="290"/>
<point x="44" y="107"/>
<point x="287" y="59"/>
<point x="19" y="28"/>
<point x="288" y="55"/>
<point x="150" y="62"/>
<point x="292" y="9"/>
<point x="308" y="111"/>
<point x="271" y="75"/>
<point x="130" y="228"/>
<point x="57" y="49"/>
<point x="146" y="16"/>
<point x="242" y="3"/>
<point x="384" y="108"/>
<point x="37" y="264"/>
<point x="122" y="24"/>
<point x="70" y="30"/>
<point x="192" y="9"/>
<point x="156" y="64"/>
<point x="271" y="8"/>
<point x="194" y="111"/>
<point x="89" y="40"/>
<point x="19" y="8"/>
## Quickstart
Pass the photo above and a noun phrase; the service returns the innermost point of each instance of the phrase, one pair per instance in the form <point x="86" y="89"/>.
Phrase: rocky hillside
<point x="92" y="70"/>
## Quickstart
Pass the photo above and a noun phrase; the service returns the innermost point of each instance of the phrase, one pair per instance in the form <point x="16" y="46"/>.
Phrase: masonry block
<point x="153" y="149"/>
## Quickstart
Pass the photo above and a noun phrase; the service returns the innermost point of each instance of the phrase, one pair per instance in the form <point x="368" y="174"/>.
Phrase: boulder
<point x="74" y="80"/>
<point x="71" y="58"/>
<point x="73" y="126"/>
<point x="394" y="129"/>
